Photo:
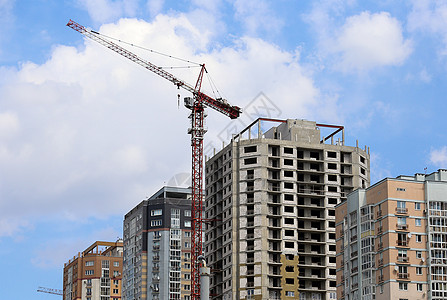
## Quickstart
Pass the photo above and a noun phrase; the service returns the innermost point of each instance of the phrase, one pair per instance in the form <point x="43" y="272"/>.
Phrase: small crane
<point x="197" y="105"/>
<point x="41" y="289"/>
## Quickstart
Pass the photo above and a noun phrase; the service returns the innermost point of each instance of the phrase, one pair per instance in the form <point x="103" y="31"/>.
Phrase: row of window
<point x="105" y="273"/>
<point x="155" y="223"/>
<point x="159" y="212"/>
<point x="105" y="263"/>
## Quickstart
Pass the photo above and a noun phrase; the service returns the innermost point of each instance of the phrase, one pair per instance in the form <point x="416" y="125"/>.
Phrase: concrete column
<point x="204" y="283"/>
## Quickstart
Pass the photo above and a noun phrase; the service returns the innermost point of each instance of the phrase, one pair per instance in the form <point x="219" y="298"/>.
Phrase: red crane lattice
<point x="197" y="131"/>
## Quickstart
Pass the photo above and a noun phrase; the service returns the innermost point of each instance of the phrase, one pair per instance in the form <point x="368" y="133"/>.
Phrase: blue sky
<point x="85" y="135"/>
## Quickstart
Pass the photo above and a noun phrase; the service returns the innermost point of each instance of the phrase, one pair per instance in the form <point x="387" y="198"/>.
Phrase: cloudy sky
<point x="85" y="134"/>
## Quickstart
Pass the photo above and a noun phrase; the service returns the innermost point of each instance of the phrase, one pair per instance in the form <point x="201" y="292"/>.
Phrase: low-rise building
<point x="95" y="273"/>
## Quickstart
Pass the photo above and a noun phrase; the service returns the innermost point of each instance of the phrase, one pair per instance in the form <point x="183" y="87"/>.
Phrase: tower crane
<point x="196" y="104"/>
<point x="42" y="289"/>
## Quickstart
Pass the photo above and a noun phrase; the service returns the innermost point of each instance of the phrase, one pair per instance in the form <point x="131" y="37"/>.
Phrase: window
<point x="332" y="154"/>
<point x="290" y="294"/>
<point x="89" y="272"/>
<point x="156" y="212"/>
<point x="417" y="206"/>
<point x="187" y="213"/>
<point x="418" y="238"/>
<point x="89" y="263"/>
<point x="187" y="276"/>
<point x="417" y="222"/>
<point x="156" y="223"/>
<point x="115" y="281"/>
<point x="400" y="204"/>
<point x="289" y="244"/>
<point x="418" y="254"/>
<point x="89" y="291"/>
<point x="250" y="161"/>
<point x="105" y="264"/>
<point x="288" y="162"/>
<point x="187" y="234"/>
<point x="187" y="245"/>
<point x="419" y="287"/>
<point x="401" y="221"/>
<point x="187" y="287"/>
<point x="418" y="270"/>
<point x="187" y="223"/>
<point x="403" y="286"/>
<point x="116" y="263"/>
<point x="400" y="189"/>
<point x="115" y="291"/>
<point x="116" y="273"/>
<point x="288" y="150"/>
<point x="187" y="266"/>
<point x="250" y="149"/>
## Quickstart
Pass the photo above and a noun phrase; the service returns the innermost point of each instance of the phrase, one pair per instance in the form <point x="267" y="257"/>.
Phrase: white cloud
<point x="368" y="40"/>
<point x="55" y="252"/>
<point x="108" y="10"/>
<point x="257" y="16"/>
<point x="94" y="129"/>
<point x="430" y="17"/>
<point x="357" y="43"/>
<point x="9" y="124"/>
<point x="154" y="6"/>
<point x="438" y="157"/>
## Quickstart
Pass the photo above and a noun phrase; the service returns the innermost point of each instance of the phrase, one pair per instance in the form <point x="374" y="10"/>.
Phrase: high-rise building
<point x="272" y="200"/>
<point x="95" y="273"/>
<point x="392" y="240"/>
<point x="157" y="247"/>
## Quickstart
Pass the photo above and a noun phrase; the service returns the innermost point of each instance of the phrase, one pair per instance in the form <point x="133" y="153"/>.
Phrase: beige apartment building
<point x="95" y="273"/>
<point x="270" y="202"/>
<point x="392" y="240"/>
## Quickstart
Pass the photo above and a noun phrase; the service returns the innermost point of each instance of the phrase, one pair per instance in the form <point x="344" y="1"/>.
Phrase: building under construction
<point x="270" y="200"/>
<point x="95" y="273"/>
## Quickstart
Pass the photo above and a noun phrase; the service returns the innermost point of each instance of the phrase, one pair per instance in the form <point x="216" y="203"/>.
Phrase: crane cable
<point x="150" y="50"/>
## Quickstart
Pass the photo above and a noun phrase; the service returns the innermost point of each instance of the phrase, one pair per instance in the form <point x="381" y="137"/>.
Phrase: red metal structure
<point x="197" y="131"/>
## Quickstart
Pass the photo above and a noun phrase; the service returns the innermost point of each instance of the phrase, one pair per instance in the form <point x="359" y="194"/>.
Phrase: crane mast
<point x="197" y="106"/>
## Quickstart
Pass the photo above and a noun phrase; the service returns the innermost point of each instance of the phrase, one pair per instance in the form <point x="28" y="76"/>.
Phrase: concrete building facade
<point x="271" y="198"/>
<point x="392" y="240"/>
<point x="95" y="273"/>
<point x="157" y="247"/>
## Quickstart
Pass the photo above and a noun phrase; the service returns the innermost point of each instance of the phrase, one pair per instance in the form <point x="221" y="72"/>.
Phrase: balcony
<point x="379" y="213"/>
<point x="380" y="262"/>
<point x="402" y="243"/>
<point x="156" y="247"/>
<point x="355" y="270"/>
<point x="380" y="229"/>
<point x="354" y="254"/>
<point x="380" y="245"/>
<point x="353" y="238"/>
<point x="354" y="286"/>
<point x="402" y="226"/>
<point x="402" y="259"/>
<point x="380" y="278"/>
<point x="403" y="276"/>
<point x="401" y="210"/>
